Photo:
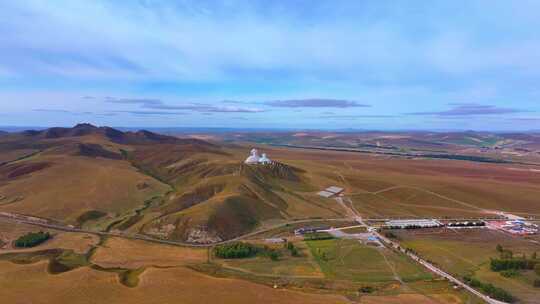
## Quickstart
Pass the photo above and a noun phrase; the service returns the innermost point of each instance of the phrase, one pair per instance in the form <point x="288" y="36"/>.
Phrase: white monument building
<point x="264" y="159"/>
<point x="254" y="158"/>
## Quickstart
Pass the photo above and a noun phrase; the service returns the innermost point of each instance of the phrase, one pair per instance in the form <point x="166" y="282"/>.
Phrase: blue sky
<point x="271" y="64"/>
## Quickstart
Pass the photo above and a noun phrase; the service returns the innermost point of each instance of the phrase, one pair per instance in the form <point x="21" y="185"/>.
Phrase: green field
<point x="350" y="260"/>
<point x="468" y="252"/>
<point x="287" y="266"/>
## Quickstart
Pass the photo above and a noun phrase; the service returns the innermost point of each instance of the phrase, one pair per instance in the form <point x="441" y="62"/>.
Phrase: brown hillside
<point x="185" y="189"/>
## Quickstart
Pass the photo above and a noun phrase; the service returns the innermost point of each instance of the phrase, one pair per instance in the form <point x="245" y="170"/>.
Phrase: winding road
<point x="351" y="212"/>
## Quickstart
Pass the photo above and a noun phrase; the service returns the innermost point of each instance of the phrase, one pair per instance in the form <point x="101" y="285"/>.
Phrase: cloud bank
<point x="471" y="109"/>
<point x="315" y="103"/>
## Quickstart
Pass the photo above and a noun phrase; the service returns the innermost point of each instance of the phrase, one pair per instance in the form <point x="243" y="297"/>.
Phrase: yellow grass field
<point x="78" y="242"/>
<point x="73" y="185"/>
<point x="385" y="186"/>
<point x="164" y="277"/>
<point x="7" y="156"/>
<point x="171" y="285"/>
<point x="132" y="254"/>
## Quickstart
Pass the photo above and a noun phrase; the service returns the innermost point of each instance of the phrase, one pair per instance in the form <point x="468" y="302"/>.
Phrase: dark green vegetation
<point x="314" y="236"/>
<point x="240" y="250"/>
<point x="473" y="158"/>
<point x="292" y="249"/>
<point x="513" y="264"/>
<point x="32" y="239"/>
<point x="236" y="250"/>
<point x="366" y="289"/>
<point x="488" y="288"/>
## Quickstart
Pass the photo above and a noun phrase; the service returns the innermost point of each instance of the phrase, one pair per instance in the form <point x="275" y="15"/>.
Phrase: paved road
<point x="19" y="218"/>
<point x="438" y="271"/>
<point x="429" y="266"/>
<point x="354" y="215"/>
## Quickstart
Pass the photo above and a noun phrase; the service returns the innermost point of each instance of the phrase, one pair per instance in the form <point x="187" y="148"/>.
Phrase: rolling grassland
<point x="85" y="285"/>
<point x="201" y="193"/>
<point x="124" y="271"/>
<point x="388" y="186"/>
<point x="84" y="269"/>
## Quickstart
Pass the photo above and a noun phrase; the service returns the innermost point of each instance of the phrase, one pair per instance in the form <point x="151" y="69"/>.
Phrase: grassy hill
<point x="195" y="191"/>
<point x="142" y="182"/>
<point x="216" y="196"/>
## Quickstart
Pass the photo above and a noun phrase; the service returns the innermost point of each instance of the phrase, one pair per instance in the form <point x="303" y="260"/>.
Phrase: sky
<point x="385" y="65"/>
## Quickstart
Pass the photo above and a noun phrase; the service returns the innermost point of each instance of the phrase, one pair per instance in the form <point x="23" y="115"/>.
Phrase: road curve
<point x="19" y="218"/>
<point x="38" y="222"/>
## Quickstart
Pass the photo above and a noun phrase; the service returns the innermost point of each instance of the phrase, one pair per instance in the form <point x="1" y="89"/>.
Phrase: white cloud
<point x="109" y="39"/>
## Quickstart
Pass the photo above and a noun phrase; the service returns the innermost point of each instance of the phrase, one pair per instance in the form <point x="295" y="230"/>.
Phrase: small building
<point x="264" y="159"/>
<point x="516" y="227"/>
<point x="276" y="240"/>
<point x="334" y="189"/>
<point x="420" y="223"/>
<point x="330" y="191"/>
<point x="325" y="194"/>
<point x="304" y="230"/>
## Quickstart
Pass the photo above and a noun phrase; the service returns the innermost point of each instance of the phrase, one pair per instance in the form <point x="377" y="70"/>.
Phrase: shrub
<point x="32" y="239"/>
<point x="366" y="289"/>
<point x="509" y="273"/>
<point x="240" y="250"/>
<point x="536" y="283"/>
<point x="516" y="264"/>
<point x="492" y="291"/>
<point x="292" y="249"/>
<point x="273" y="255"/>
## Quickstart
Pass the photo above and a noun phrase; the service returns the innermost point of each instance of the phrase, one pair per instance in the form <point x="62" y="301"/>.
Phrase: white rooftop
<point x="419" y="222"/>
<point x="334" y="189"/>
<point x="325" y="194"/>
<point x="264" y="159"/>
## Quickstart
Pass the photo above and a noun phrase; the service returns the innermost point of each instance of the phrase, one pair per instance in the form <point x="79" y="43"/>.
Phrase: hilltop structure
<point x="254" y="158"/>
<point x="264" y="159"/>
